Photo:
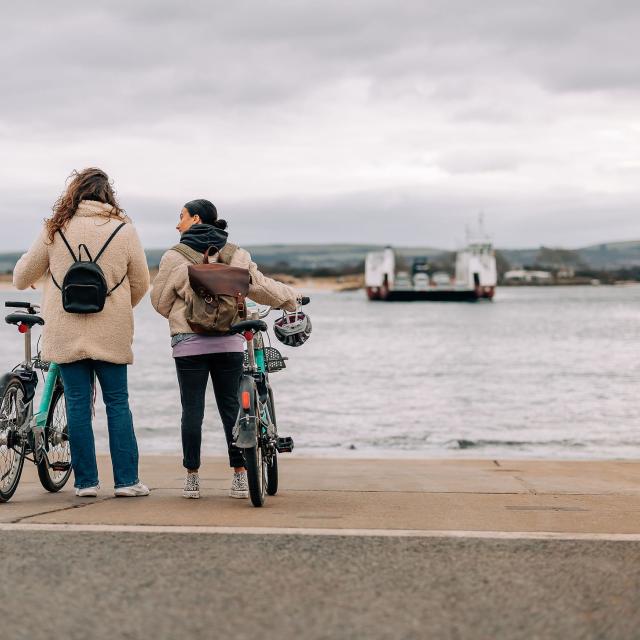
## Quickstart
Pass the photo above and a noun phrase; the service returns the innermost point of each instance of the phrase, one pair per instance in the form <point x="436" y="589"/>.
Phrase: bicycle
<point x="44" y="435"/>
<point x="256" y="430"/>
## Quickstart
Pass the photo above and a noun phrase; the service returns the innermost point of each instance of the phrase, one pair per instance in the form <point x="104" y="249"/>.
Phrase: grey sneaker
<point x="240" y="485"/>
<point x="191" y="486"/>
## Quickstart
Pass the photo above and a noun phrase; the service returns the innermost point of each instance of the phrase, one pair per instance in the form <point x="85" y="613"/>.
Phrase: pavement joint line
<point x="60" y="510"/>
<point x="624" y="493"/>
<point x="369" y="533"/>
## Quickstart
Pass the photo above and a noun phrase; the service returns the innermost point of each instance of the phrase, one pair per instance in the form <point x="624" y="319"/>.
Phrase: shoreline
<point x="336" y="284"/>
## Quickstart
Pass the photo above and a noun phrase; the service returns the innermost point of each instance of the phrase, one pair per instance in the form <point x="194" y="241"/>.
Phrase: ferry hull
<point x="435" y="295"/>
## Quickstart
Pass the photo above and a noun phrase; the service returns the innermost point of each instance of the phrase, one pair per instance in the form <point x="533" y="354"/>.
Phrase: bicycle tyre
<point x="255" y="475"/>
<point x="50" y="479"/>
<point x="272" y="467"/>
<point x="11" y="459"/>
<point x="255" y="468"/>
<point x="272" y="475"/>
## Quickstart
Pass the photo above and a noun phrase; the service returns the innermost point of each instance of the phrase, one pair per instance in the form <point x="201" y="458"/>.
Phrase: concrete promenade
<point x="379" y="495"/>
<point x="348" y="549"/>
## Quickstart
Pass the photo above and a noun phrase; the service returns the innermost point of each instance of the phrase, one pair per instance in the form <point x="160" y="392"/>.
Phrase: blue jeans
<point x="79" y="379"/>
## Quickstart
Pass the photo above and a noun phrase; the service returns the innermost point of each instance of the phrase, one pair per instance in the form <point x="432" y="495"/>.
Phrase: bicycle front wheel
<point x="55" y="468"/>
<point x="12" y="415"/>
<point x="272" y="463"/>
<point x="255" y="463"/>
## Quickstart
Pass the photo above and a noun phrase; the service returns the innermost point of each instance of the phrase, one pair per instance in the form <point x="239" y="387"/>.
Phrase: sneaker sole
<point x="130" y="495"/>
<point x="191" y="494"/>
<point x="238" y="494"/>
<point x="87" y="495"/>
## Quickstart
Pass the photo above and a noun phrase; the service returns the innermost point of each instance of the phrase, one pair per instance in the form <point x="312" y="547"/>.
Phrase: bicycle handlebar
<point x="263" y="313"/>
<point x="29" y="306"/>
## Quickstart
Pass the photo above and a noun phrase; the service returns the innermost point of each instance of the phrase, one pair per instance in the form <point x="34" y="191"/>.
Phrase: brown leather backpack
<point x="218" y="291"/>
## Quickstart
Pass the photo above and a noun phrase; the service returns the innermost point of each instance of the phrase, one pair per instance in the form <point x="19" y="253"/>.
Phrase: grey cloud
<point x="410" y="216"/>
<point x="477" y="161"/>
<point x="121" y="62"/>
<point x="465" y="86"/>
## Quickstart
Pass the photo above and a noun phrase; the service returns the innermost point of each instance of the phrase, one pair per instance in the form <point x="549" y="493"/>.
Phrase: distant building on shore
<point x="525" y="276"/>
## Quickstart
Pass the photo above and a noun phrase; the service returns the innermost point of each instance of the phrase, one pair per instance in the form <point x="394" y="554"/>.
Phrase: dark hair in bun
<point x="207" y="212"/>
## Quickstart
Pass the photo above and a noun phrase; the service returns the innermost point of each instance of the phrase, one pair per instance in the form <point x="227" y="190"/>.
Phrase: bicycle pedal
<point x="285" y="445"/>
<point x="60" y="466"/>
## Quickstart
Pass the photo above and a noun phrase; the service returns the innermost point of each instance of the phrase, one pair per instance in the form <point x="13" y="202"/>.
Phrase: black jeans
<point x="225" y="370"/>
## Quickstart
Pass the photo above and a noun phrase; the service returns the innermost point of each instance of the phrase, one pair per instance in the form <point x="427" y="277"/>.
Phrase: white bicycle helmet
<point x="293" y="328"/>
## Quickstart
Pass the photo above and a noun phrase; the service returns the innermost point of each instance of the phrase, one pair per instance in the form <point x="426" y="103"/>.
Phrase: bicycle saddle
<point x="24" y="318"/>
<point x="249" y="325"/>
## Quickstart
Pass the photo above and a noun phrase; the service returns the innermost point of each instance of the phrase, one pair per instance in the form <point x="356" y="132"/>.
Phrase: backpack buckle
<point x="240" y="305"/>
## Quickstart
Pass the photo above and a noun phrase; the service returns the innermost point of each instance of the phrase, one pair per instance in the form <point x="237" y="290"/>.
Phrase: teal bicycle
<point x="256" y="431"/>
<point x="41" y="438"/>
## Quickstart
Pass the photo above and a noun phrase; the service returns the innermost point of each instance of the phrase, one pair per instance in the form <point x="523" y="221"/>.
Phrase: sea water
<point x="539" y="372"/>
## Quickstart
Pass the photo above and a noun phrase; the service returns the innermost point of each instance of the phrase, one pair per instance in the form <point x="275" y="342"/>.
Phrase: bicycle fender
<point x="246" y="427"/>
<point x="6" y="379"/>
<point x="30" y="382"/>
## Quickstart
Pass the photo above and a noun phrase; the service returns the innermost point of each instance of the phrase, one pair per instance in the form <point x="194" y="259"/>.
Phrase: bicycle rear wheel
<point x="12" y="414"/>
<point x="54" y="469"/>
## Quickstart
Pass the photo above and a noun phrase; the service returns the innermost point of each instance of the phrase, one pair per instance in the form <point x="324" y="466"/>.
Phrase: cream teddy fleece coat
<point x="172" y="283"/>
<point x="108" y="335"/>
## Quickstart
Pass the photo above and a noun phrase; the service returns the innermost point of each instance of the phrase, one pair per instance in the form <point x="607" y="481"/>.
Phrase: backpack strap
<point x="227" y="252"/>
<point x="190" y="254"/>
<point x="119" y="283"/>
<point x="106" y="244"/>
<point x="73" y="255"/>
<point x="54" y="281"/>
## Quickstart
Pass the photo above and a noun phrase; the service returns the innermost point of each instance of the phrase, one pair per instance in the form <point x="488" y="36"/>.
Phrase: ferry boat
<point x="389" y="276"/>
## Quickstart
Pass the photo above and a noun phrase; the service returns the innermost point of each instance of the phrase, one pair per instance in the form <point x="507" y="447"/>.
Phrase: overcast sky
<point x="330" y="121"/>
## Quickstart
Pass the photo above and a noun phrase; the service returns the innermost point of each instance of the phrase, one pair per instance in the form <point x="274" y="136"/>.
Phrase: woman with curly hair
<point x="87" y="218"/>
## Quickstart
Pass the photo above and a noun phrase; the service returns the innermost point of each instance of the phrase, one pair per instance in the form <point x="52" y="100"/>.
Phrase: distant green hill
<point x="612" y="255"/>
<point x="7" y="261"/>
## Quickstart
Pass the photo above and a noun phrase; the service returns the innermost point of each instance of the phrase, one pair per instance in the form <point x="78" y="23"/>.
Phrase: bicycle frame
<point x="39" y="421"/>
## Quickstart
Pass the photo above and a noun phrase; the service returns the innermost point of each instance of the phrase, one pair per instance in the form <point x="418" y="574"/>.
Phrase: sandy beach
<point x="308" y="285"/>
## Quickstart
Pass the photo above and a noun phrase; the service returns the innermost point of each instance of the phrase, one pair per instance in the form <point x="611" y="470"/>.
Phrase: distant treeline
<point x="312" y="272"/>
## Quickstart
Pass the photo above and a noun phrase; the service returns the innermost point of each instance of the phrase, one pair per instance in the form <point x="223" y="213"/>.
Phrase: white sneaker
<point x="240" y="485"/>
<point x="88" y="492"/>
<point x="134" y="491"/>
<point x="191" y="486"/>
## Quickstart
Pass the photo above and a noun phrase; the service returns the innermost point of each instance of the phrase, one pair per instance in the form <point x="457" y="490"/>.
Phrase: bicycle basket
<point x="273" y="360"/>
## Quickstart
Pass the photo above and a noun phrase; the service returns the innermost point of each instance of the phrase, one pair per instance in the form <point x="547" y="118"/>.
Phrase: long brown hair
<point x="88" y="184"/>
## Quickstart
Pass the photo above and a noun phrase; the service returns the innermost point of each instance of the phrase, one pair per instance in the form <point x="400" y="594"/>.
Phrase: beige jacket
<point x="68" y="337"/>
<point x="172" y="283"/>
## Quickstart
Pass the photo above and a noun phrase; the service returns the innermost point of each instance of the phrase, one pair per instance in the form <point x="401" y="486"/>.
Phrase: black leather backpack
<point x="84" y="288"/>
